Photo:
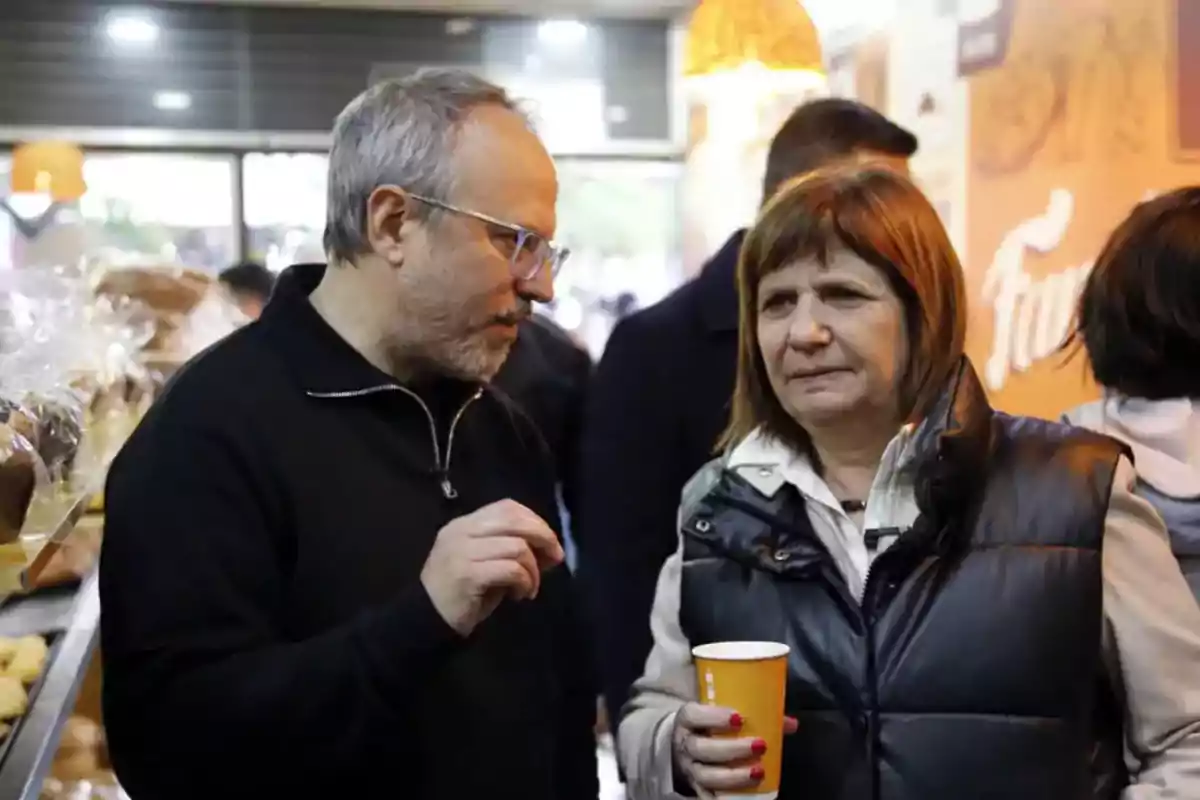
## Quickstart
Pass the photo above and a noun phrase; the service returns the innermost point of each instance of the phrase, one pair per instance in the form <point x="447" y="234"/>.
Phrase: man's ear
<point x="388" y="208"/>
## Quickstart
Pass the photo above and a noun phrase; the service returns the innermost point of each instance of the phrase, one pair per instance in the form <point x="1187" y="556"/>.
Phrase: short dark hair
<point x="249" y="278"/>
<point x="880" y="216"/>
<point x="821" y="131"/>
<point x="1139" y="313"/>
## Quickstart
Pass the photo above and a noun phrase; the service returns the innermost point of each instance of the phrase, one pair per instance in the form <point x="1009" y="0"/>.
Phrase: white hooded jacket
<point x="1165" y="438"/>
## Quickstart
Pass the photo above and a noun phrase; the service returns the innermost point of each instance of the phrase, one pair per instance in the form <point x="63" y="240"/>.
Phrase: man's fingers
<point x="718" y="752"/>
<point x="790" y="725"/>
<point x="503" y="574"/>
<point x="510" y="518"/>
<point x="697" y="717"/>
<point x="510" y="548"/>
<point x="539" y="536"/>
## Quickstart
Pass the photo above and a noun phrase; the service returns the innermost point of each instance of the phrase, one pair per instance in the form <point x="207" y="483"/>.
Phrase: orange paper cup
<point x="751" y="679"/>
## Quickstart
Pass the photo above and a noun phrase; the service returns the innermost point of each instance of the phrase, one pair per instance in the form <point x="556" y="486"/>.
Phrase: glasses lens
<point x="529" y="255"/>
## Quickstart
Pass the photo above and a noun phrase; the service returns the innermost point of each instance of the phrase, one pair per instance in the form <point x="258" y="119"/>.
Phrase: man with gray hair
<point x="332" y="565"/>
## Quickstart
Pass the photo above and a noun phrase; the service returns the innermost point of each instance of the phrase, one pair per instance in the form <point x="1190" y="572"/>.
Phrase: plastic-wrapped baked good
<point x="52" y="424"/>
<point x="59" y="430"/>
<point x="19" y="470"/>
<point x="165" y="289"/>
<point x="20" y="420"/>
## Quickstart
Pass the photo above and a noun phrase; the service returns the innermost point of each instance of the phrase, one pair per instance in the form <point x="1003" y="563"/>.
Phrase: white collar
<point x="767" y="464"/>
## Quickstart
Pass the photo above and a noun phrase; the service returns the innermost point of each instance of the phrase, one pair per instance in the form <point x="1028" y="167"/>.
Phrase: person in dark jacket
<point x="1139" y="319"/>
<point x="660" y="399"/>
<point x="976" y="604"/>
<point x="332" y="564"/>
<point x="547" y="376"/>
<point x="249" y="285"/>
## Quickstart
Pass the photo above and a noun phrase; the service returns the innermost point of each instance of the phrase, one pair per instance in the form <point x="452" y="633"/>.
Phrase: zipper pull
<point x="448" y="490"/>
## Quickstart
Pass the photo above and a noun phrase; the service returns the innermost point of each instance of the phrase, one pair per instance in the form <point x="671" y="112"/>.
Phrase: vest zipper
<point x="867" y="609"/>
<point x="441" y="467"/>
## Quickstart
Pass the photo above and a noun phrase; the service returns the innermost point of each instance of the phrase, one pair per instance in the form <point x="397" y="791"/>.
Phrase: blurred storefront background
<point x="1041" y="126"/>
<point x="204" y="128"/>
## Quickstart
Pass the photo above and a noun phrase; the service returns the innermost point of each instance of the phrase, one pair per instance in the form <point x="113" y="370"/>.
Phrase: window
<point x="160" y="208"/>
<point x="7" y="233"/>
<point x="621" y="221"/>
<point x="284" y="207"/>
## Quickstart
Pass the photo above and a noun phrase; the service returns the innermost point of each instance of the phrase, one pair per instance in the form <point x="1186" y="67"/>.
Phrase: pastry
<point x="27" y="663"/>
<point x="8" y="649"/>
<point x="13" y="699"/>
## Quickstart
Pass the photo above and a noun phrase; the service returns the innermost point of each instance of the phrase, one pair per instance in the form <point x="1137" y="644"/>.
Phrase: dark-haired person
<point x="1139" y="318"/>
<point x="977" y="605"/>
<point x="660" y="398"/>
<point x="249" y="285"/>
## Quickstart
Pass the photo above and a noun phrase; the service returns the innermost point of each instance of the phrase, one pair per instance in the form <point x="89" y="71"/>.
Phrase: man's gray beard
<point x="470" y="360"/>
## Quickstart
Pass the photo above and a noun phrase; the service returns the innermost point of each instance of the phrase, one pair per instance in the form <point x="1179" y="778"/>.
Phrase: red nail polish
<point x="735" y="721"/>
<point x="758" y="747"/>
<point x="757" y="773"/>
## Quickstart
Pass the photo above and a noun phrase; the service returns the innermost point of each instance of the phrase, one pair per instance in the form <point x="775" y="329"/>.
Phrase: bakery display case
<point x="35" y="711"/>
<point x="67" y="360"/>
<point x="82" y="354"/>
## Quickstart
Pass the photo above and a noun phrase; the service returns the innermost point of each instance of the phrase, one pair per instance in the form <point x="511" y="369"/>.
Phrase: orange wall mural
<point x="1042" y="125"/>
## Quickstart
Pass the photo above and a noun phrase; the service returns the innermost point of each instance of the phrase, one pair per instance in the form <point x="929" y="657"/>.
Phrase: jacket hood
<point x="1163" y="434"/>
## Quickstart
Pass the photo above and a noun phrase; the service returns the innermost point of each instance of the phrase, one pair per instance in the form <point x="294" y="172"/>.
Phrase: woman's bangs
<point x="788" y="235"/>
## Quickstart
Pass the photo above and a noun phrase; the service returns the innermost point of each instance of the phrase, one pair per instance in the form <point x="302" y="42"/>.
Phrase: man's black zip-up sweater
<point x="264" y="630"/>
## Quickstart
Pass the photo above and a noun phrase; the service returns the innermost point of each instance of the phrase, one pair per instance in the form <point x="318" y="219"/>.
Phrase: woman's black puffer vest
<point x="972" y="668"/>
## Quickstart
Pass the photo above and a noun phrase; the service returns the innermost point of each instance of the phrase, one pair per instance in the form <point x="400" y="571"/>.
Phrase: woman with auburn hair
<point x="976" y="605"/>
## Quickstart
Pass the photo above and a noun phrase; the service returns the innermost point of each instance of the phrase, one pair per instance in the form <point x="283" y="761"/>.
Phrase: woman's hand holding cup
<point x="713" y="764"/>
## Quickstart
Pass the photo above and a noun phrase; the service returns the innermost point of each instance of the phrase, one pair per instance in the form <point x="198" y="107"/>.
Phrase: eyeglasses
<point x="529" y="252"/>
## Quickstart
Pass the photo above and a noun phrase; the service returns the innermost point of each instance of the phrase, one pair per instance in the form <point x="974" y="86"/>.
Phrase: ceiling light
<point x="131" y="28"/>
<point x="460" y="26"/>
<point x="562" y="32"/>
<point x="172" y="101"/>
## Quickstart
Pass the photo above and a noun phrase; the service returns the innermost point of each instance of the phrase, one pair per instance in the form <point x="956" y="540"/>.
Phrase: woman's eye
<point x="778" y="301"/>
<point x="842" y="294"/>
